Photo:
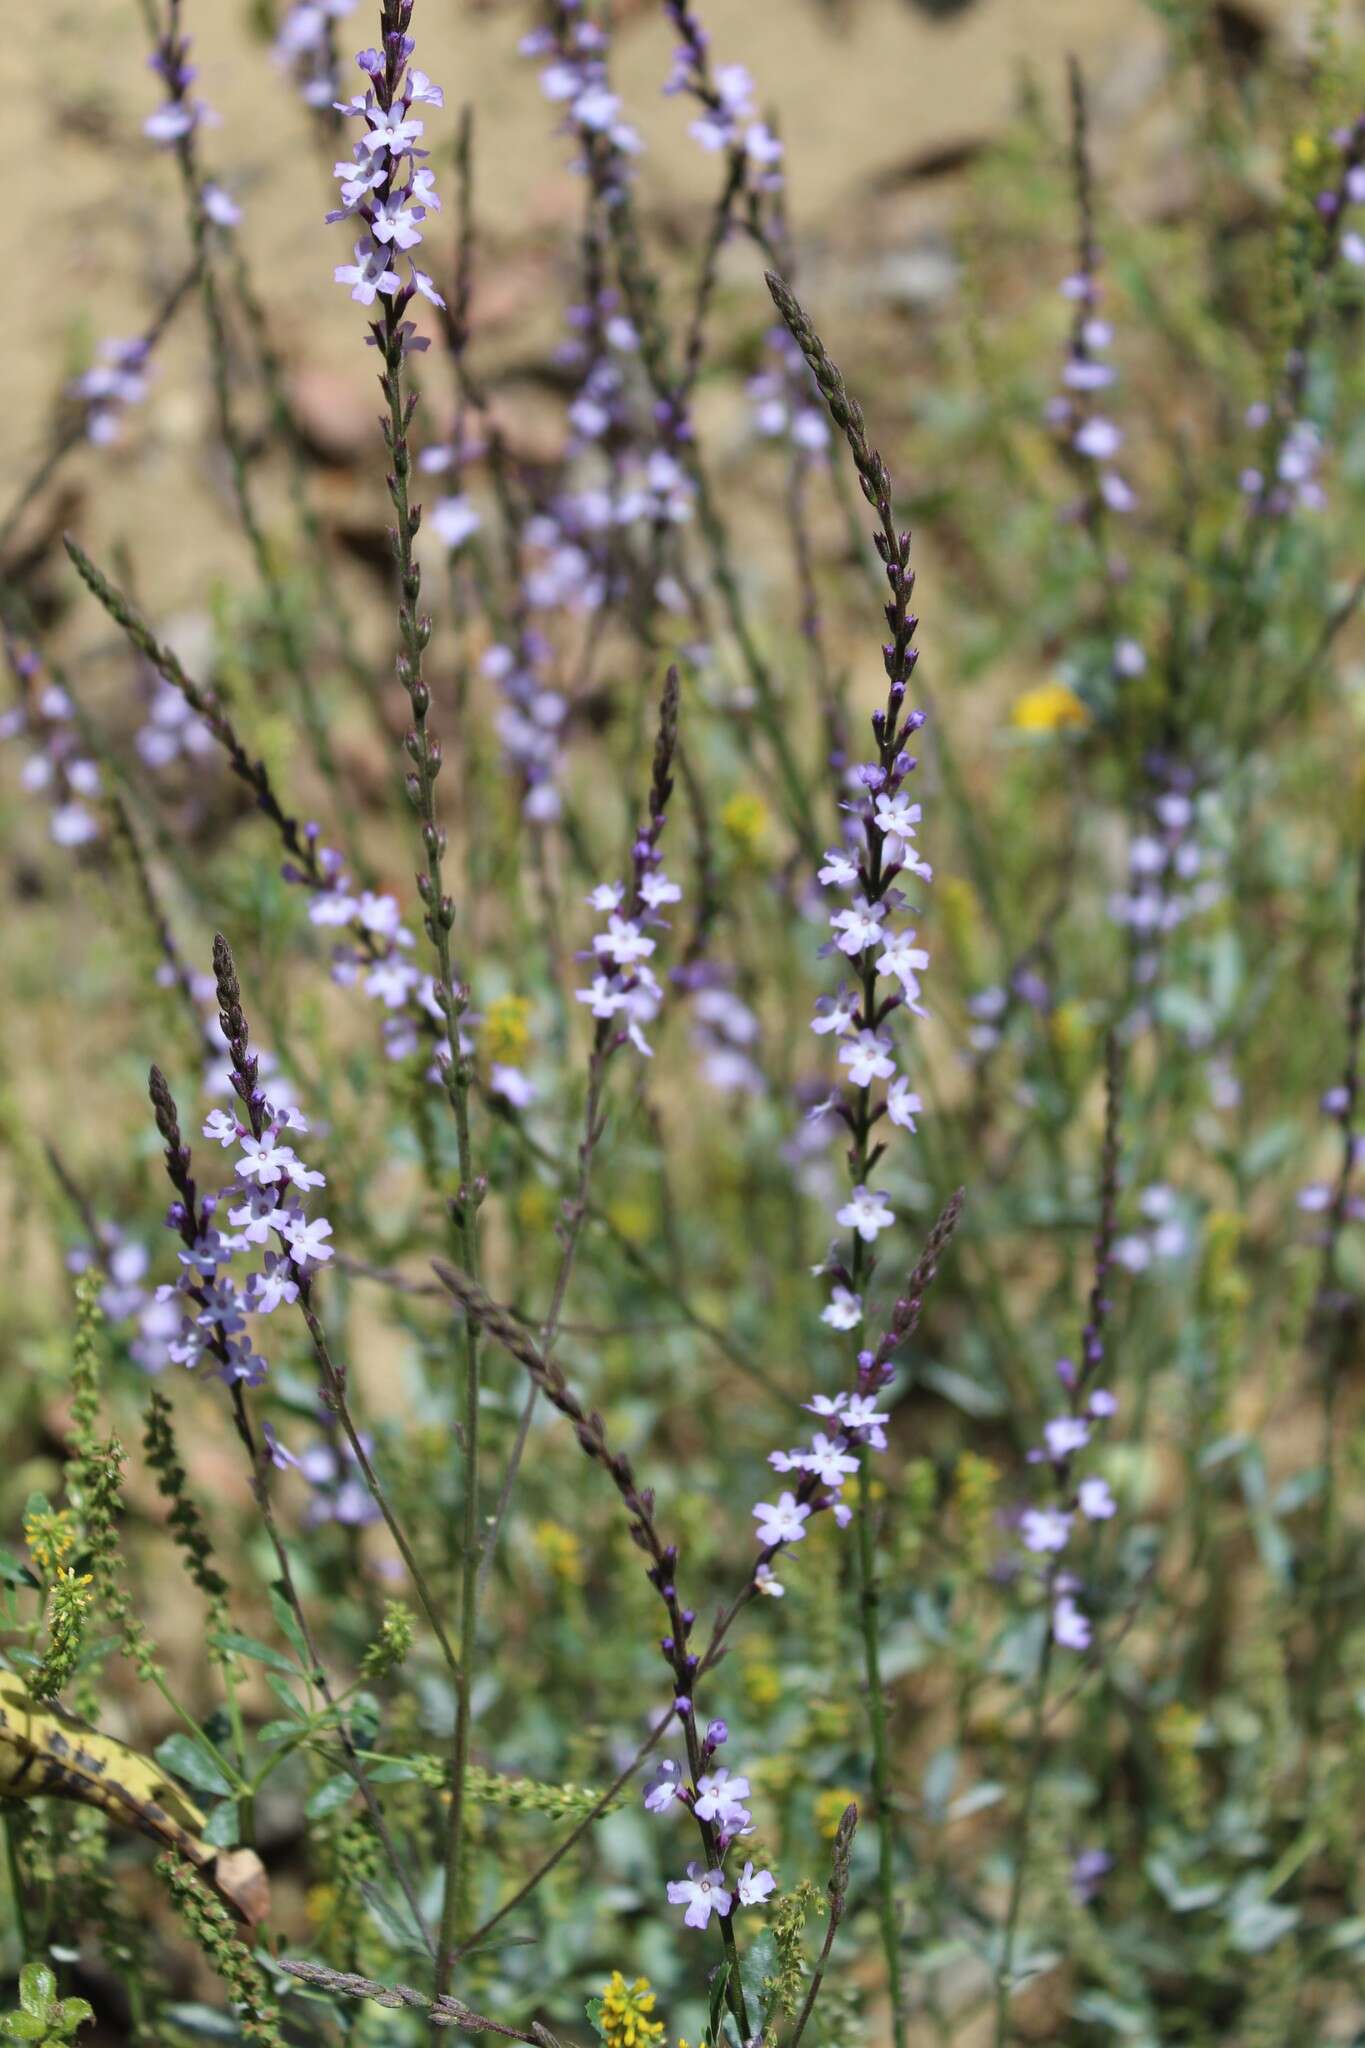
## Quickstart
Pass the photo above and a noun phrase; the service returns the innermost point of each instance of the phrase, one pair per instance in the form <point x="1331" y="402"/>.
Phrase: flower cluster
<point x="374" y="956"/>
<point x="874" y="943"/>
<point x="1169" y="878"/>
<point x="624" y="985"/>
<point x="306" y="47"/>
<point x="384" y="189"/>
<point x="328" y="1466"/>
<point x="1047" y="1530"/>
<point x="1166" y="1237"/>
<point x="784" y="399"/>
<point x="575" y="76"/>
<point x="264" y="1206"/>
<point x="124" y="1261"/>
<point x="179" y="114"/>
<point x="1284" y="479"/>
<point x="118" y="380"/>
<point x="1089" y="435"/>
<point x="716" y="1798"/>
<point x="728" y="119"/>
<point x="852" y="1421"/>
<point x="56" y="765"/>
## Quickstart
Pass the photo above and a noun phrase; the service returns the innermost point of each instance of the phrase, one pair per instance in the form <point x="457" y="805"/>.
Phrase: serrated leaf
<point x="192" y="1762"/>
<point x="593" y="2010"/>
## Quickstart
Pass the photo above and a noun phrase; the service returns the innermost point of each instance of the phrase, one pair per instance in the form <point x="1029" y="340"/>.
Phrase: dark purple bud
<point x="683" y="1704"/>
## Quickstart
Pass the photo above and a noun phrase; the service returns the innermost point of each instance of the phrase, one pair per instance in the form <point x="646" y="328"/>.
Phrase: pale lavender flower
<point x="782" y="1522"/>
<point x="703" y="1893"/>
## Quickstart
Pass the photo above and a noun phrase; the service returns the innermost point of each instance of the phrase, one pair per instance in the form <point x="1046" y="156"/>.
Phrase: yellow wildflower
<point x="744" y="821"/>
<point x="625" y="2020"/>
<point x="51" y="1536"/>
<point x="505" y="1033"/>
<point x="1306" y="150"/>
<point x="1049" y="707"/>
<point x="535" y="1205"/>
<point x="559" y="1548"/>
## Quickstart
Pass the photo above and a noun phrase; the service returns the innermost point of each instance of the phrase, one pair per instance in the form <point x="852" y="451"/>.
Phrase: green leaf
<point x="718" y="1984"/>
<point x="37" y="1989"/>
<point x="73" y="2013"/>
<point x="593" y="2009"/>
<point x="331" y="1797"/>
<point x="394" y="1919"/>
<point x="204" y="2021"/>
<point x="13" y="1570"/>
<point x="192" y="1762"/>
<point x="23" y="2026"/>
<point x="285" y="1694"/>
<point x="223" y="1826"/>
<point x="289" y="1627"/>
<point x="757" y="1964"/>
<point x="247" y="1646"/>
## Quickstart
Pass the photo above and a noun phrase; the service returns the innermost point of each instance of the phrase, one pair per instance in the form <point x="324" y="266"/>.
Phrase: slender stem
<point x="1037" y="1731"/>
<point x="16" y="1886"/>
<point x="335" y="1387"/>
<point x="868" y="1600"/>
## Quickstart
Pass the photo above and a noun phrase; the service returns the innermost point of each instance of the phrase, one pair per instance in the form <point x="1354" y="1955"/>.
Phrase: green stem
<point x="1005" y="1973"/>
<point x="868" y="1597"/>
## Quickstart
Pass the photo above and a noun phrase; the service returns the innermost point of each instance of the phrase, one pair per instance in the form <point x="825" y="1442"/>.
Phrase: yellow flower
<point x="51" y="1536"/>
<point x="1050" y="707"/>
<point x="535" y="1205"/>
<point x="505" y="1034"/>
<point x="763" y="1683"/>
<point x="625" y="2017"/>
<point x="744" y="821"/>
<point x="830" y="1808"/>
<point x="1306" y="151"/>
<point x="559" y="1548"/>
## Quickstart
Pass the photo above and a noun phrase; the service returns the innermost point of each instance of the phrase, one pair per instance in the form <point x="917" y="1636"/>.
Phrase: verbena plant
<point x="628" y="1038"/>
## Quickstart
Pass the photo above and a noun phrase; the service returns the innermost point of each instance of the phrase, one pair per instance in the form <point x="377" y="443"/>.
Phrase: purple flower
<point x="1070" y="1628"/>
<point x="1065" y="1434"/>
<point x="867" y="1213"/>
<point x="1045" y="1529"/>
<point x="703" y="1893"/>
<point x="754" y="1885"/>
<point x="720" y="1798"/>
<point x="781" y="1523"/>
<point x="1097" y="1503"/>
<point x="663" y="1786"/>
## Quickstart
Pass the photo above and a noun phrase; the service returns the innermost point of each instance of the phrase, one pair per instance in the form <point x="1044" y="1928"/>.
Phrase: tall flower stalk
<point x="886" y="964"/>
<point x="387" y="193"/>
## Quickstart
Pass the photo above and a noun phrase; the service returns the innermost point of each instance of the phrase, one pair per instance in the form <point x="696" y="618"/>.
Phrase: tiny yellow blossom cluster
<point x="626" y="2009"/>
